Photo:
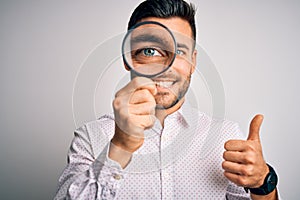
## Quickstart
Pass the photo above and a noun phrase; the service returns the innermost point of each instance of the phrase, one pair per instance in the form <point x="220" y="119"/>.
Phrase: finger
<point x="237" y="179"/>
<point x="144" y="121"/>
<point x="141" y="96"/>
<point x="254" y="127"/>
<point x="235" y="145"/>
<point x="234" y="156"/>
<point x="238" y="168"/>
<point x="136" y="84"/>
<point x="147" y="108"/>
<point x="232" y="167"/>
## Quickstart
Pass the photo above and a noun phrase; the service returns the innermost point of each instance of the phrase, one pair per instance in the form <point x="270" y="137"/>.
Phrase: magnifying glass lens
<point x="149" y="49"/>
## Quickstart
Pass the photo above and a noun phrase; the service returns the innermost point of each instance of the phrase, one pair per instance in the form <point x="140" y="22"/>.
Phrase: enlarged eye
<point x="146" y="55"/>
<point x="151" y="52"/>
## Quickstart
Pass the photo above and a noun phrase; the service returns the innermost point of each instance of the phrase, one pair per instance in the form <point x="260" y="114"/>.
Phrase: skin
<point x="244" y="163"/>
<point x="141" y="101"/>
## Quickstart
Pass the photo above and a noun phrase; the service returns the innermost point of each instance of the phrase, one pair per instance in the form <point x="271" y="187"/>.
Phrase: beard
<point x="168" y="97"/>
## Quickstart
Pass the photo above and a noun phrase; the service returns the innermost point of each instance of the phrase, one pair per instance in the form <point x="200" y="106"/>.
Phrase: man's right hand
<point x="134" y="110"/>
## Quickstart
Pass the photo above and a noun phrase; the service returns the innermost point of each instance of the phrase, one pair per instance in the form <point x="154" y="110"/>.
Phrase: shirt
<point x="183" y="160"/>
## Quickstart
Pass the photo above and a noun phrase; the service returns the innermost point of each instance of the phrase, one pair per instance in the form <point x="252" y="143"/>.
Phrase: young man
<point x="150" y="147"/>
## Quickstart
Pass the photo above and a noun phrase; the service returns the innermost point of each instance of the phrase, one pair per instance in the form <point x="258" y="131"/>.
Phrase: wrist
<point x="269" y="184"/>
<point x="272" y="195"/>
<point x="119" y="155"/>
<point x="126" y="141"/>
<point x="265" y="173"/>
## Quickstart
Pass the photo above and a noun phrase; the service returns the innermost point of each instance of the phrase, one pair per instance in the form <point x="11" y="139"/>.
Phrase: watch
<point x="268" y="186"/>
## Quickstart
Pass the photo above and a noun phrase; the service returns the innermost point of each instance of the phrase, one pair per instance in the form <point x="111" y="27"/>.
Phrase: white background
<point x="255" y="46"/>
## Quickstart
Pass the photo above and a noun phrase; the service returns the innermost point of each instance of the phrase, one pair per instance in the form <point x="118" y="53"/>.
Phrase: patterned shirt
<point x="182" y="160"/>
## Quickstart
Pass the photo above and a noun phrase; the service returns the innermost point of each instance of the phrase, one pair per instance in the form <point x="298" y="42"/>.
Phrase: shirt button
<point x="117" y="176"/>
<point x="164" y="138"/>
<point x="167" y="175"/>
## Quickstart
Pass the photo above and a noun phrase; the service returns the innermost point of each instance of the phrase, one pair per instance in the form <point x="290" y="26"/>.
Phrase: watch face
<point x="271" y="182"/>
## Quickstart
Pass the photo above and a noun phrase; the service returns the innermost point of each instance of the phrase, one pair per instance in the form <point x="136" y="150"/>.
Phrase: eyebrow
<point x="155" y="39"/>
<point x="148" y="38"/>
<point x="181" y="45"/>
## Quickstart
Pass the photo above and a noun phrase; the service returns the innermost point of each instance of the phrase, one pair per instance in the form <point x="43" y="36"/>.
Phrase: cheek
<point x="183" y="67"/>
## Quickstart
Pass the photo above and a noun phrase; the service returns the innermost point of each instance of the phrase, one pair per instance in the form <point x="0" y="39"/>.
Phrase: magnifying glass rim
<point x="140" y="24"/>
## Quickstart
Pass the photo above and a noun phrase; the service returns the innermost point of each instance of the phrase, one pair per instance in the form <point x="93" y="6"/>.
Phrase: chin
<point x="166" y="105"/>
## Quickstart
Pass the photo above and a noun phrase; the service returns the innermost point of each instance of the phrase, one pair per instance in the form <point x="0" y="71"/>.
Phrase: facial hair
<point x="162" y="99"/>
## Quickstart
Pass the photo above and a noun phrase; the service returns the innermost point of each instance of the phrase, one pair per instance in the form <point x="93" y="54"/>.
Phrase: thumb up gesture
<point x="243" y="159"/>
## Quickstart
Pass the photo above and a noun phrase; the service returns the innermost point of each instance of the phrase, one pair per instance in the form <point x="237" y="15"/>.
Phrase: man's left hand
<point x="244" y="163"/>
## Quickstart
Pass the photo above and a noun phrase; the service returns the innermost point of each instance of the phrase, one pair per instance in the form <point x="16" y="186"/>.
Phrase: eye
<point x="180" y="52"/>
<point x="150" y="55"/>
<point x="151" y="52"/>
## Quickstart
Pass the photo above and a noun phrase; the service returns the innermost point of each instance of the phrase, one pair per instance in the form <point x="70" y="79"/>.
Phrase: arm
<point x="86" y="175"/>
<point x="90" y="177"/>
<point x="244" y="164"/>
<point x="134" y="111"/>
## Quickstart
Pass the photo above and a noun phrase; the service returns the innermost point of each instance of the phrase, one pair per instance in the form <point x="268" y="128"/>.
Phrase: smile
<point x="164" y="84"/>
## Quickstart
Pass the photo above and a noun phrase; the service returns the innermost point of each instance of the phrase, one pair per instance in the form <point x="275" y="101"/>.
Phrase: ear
<point x="126" y="67"/>
<point x="194" y="60"/>
<point x="132" y="75"/>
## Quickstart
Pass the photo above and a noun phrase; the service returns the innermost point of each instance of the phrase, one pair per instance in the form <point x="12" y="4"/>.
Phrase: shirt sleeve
<point x="87" y="176"/>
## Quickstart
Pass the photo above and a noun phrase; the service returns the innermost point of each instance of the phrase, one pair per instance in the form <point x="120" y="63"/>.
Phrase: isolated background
<point x="255" y="46"/>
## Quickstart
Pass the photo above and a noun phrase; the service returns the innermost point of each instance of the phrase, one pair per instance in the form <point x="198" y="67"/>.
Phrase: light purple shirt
<point x="180" y="161"/>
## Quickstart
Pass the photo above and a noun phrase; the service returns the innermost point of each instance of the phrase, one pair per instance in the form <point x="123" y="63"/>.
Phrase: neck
<point x="161" y="114"/>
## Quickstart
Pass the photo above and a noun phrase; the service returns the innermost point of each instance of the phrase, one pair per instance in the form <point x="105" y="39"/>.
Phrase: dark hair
<point x="164" y="9"/>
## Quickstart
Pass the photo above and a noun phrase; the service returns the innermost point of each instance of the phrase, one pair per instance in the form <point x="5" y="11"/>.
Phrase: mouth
<point x="164" y="83"/>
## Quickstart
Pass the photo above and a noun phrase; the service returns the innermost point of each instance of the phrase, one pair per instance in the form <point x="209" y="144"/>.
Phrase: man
<point x="150" y="147"/>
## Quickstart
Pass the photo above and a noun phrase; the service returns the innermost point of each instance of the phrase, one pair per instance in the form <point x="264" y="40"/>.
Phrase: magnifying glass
<point x="149" y="48"/>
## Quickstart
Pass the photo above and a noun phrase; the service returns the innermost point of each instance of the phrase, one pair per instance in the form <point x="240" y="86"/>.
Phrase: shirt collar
<point x="185" y="114"/>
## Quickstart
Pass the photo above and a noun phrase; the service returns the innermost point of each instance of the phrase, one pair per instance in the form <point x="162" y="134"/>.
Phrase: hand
<point x="244" y="163"/>
<point x="134" y="110"/>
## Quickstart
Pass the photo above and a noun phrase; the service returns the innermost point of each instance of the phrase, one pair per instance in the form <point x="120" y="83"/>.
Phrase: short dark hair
<point x="164" y="9"/>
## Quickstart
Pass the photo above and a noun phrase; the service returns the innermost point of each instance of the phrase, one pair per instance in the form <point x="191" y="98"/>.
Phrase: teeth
<point x="165" y="84"/>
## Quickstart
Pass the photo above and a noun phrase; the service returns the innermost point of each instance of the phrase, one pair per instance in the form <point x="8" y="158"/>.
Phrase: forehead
<point x="175" y="24"/>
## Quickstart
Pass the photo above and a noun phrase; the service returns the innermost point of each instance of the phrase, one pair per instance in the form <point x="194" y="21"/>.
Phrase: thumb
<point x="254" y="127"/>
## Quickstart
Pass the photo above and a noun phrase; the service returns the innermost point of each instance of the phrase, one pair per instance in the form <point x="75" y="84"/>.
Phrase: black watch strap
<point x="269" y="184"/>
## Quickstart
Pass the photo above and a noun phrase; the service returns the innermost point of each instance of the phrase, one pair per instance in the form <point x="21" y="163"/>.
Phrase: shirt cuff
<point x="110" y="174"/>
